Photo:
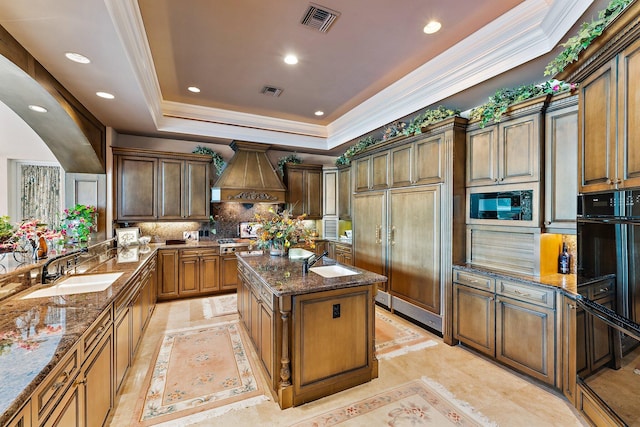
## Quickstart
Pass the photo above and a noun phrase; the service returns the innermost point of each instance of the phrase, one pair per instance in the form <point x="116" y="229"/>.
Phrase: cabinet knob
<point x="609" y="181"/>
<point x="618" y="181"/>
<point x="547" y="223"/>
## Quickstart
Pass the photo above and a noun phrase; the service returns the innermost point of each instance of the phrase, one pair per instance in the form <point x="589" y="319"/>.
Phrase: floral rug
<point x="396" y="336"/>
<point x="219" y="306"/>
<point x="417" y="403"/>
<point x="199" y="373"/>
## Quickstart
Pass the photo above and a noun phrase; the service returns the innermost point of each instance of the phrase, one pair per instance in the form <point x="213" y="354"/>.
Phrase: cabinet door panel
<point x="525" y="337"/>
<point x="266" y="340"/>
<point x="401" y="166"/>
<point x="170" y="188"/>
<point x="474" y="322"/>
<point x="209" y="273"/>
<point x="196" y="194"/>
<point x="136" y="188"/>
<point x="98" y="387"/>
<point x="596" y="159"/>
<point x="429" y="161"/>
<point x="295" y="191"/>
<point x="229" y="272"/>
<point x="369" y="213"/>
<point x="122" y="349"/>
<point x="189" y="276"/>
<point x="362" y="174"/>
<point x="482" y="157"/>
<point x="414" y="246"/>
<point x="629" y="116"/>
<point x="344" y="193"/>
<point x="518" y="150"/>
<point x="313" y="194"/>
<point x="380" y="171"/>
<point x="167" y="273"/>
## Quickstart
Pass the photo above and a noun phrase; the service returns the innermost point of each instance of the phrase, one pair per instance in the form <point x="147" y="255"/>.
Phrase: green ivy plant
<point x="6" y="228"/>
<point x="394" y="129"/>
<point x="291" y="158"/>
<point x="427" y="118"/>
<point x="345" y="158"/>
<point x="499" y="103"/>
<point x="218" y="161"/>
<point x="588" y="32"/>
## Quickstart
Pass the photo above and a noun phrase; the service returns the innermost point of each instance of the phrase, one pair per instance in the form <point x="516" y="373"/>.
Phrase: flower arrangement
<point x="281" y="230"/>
<point x="78" y="222"/>
<point x="492" y="110"/>
<point x="394" y="129"/>
<point x="588" y="32"/>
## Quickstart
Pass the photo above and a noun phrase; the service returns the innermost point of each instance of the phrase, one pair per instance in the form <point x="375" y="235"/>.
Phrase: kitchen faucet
<point x="308" y="262"/>
<point x="60" y="270"/>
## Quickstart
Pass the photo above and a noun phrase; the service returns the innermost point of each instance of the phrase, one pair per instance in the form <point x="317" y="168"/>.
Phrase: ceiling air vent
<point x="319" y="17"/>
<point x="271" y="91"/>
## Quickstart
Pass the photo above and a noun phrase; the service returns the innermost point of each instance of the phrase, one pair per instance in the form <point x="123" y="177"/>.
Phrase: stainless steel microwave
<point x="503" y="204"/>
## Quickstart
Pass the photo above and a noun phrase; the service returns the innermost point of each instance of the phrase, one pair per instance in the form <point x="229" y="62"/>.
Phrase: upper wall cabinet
<point x="152" y="186"/>
<point x="304" y="189"/>
<point x="608" y="73"/>
<point x="344" y="192"/>
<point x="507" y="152"/>
<point x="372" y="172"/>
<point x="561" y="164"/>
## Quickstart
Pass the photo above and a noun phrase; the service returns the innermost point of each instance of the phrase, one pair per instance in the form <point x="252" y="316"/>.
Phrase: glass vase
<point x="277" y="248"/>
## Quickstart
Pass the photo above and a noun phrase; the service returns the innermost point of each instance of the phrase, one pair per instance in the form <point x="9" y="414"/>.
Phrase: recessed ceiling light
<point x="105" y="95"/>
<point x="291" y="59"/>
<point x="319" y="113"/>
<point x="37" y="108"/>
<point x="193" y="89"/>
<point x="432" y="27"/>
<point x="76" y="57"/>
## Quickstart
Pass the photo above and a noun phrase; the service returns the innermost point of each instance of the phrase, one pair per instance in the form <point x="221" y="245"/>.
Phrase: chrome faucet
<point x="60" y="270"/>
<point x="308" y="262"/>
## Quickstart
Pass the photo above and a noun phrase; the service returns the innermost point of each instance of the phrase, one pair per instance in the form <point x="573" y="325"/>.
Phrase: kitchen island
<point x="314" y="335"/>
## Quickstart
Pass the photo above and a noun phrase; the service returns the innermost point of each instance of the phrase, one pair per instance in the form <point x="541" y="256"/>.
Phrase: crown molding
<point x="526" y="32"/>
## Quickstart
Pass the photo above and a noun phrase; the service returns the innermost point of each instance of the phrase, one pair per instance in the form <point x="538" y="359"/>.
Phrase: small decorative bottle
<point x="41" y="249"/>
<point x="564" y="260"/>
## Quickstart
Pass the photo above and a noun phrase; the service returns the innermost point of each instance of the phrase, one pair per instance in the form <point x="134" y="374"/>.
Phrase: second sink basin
<point x="80" y="284"/>
<point x="333" y="271"/>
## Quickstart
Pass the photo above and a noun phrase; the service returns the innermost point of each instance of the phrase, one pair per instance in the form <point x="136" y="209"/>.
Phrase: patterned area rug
<point x="395" y="336"/>
<point x="416" y="403"/>
<point x="198" y="374"/>
<point x="219" y="306"/>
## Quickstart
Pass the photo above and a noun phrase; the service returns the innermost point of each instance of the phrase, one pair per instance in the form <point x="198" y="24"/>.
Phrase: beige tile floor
<point x="505" y="397"/>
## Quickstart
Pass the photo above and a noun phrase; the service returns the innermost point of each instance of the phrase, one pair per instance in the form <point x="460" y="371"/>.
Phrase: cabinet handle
<point x="609" y="181"/>
<point x="79" y="382"/>
<point x="392" y="232"/>
<point x="65" y="378"/>
<point x="377" y="231"/>
<point x="547" y="223"/>
<point x="524" y="294"/>
<point x="604" y="290"/>
<point x="501" y="178"/>
<point x="495" y="180"/>
<point x="572" y="306"/>
<point x="618" y="181"/>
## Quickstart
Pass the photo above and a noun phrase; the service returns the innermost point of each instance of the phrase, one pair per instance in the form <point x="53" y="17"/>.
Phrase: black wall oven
<point x="608" y="317"/>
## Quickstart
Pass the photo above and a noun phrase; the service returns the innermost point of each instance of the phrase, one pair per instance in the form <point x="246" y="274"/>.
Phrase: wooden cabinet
<point x="228" y="272"/>
<point x="23" y="417"/>
<point x="330" y="189"/>
<point x="344" y="192"/>
<point x="304" y="189"/>
<point x="419" y="162"/>
<point x="609" y="155"/>
<point x="96" y="381"/>
<point x="372" y="172"/>
<point x="199" y="272"/>
<point x="569" y="372"/>
<point x="167" y="274"/>
<point x="513" y="322"/>
<point x="154" y="186"/>
<point x="507" y="152"/>
<point x="343" y="253"/>
<point x="369" y="228"/>
<point x="561" y="164"/>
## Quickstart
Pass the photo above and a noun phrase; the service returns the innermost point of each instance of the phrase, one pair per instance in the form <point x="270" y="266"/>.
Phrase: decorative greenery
<point x="218" y="161"/>
<point x="281" y="228"/>
<point x="365" y="142"/>
<point x="6" y="228"/>
<point x="79" y="222"/>
<point x="291" y="158"/>
<point x="393" y="130"/>
<point x="427" y="118"/>
<point x="587" y="33"/>
<point x="492" y="110"/>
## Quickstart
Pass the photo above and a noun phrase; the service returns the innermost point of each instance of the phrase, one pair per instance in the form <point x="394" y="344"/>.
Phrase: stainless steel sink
<point x="333" y="271"/>
<point x="79" y="284"/>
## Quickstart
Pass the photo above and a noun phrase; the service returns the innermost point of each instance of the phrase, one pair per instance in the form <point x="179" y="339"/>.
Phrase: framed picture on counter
<point x="127" y="236"/>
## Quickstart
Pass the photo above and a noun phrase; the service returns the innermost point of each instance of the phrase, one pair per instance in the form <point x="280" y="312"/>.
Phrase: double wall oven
<point x="608" y="317"/>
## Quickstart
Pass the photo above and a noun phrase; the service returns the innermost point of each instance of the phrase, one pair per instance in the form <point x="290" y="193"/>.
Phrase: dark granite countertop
<point x="36" y="333"/>
<point x="285" y="277"/>
<point x="566" y="282"/>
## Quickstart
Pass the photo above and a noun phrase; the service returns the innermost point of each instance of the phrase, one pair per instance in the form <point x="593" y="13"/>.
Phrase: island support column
<point x="285" y="390"/>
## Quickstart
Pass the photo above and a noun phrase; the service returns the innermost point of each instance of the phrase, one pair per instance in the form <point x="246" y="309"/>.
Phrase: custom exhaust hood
<point x="249" y="177"/>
